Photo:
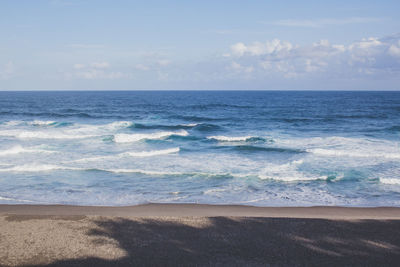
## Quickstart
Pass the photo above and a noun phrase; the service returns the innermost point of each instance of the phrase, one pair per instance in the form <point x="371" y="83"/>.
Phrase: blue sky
<point x="122" y="45"/>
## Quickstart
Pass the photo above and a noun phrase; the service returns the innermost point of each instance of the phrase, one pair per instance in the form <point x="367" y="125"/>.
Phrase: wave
<point x="220" y="105"/>
<point x="41" y="123"/>
<point x="153" y="152"/>
<point x="38" y="123"/>
<point x="127" y="138"/>
<point x="49" y="135"/>
<point x="389" y="180"/>
<point x="248" y="148"/>
<point x="236" y="139"/>
<point x="295" y="177"/>
<point x="45" y="167"/>
<point x="50" y="114"/>
<point x="206" y="127"/>
<point x="161" y="126"/>
<point x="197" y="118"/>
<point x="116" y="125"/>
<point x="201" y="127"/>
<point x="19" y="149"/>
<point x="164" y="173"/>
<point x="395" y="128"/>
<point x="14" y="199"/>
<point x="282" y="173"/>
<point x="37" y="168"/>
<point x="289" y="172"/>
<point x="141" y="154"/>
<point x="360" y="154"/>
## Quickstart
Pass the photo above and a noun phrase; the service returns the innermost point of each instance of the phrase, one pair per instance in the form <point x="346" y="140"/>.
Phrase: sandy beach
<point x="198" y="235"/>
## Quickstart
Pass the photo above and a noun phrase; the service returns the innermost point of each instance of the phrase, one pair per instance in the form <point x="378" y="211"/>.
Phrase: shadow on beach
<point x="230" y="241"/>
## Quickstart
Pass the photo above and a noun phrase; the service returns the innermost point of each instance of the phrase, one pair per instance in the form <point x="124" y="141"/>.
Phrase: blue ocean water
<point x="264" y="148"/>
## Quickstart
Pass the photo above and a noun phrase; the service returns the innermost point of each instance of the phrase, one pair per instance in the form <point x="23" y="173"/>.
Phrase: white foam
<point x="360" y="154"/>
<point x="19" y="149"/>
<point x="153" y="152"/>
<point x="389" y="180"/>
<point x="40" y="123"/>
<point x="230" y="139"/>
<point x="52" y="135"/>
<point x="214" y="191"/>
<point x="288" y="172"/>
<point x="14" y="199"/>
<point x="36" y="168"/>
<point x="127" y="138"/>
<point x="117" y="124"/>
<point x="44" y="134"/>
<point x="12" y="123"/>
<point x="146" y="172"/>
<point x="48" y="167"/>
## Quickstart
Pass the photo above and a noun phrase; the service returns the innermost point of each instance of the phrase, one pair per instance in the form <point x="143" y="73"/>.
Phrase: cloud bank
<point x="370" y="63"/>
<point x="366" y="58"/>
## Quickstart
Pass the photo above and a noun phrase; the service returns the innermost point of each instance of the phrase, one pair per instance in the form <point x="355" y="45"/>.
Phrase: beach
<point x="273" y="178"/>
<point x="198" y="235"/>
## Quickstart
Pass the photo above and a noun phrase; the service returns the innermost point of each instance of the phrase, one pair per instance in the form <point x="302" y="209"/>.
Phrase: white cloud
<point x="239" y="68"/>
<point x="7" y="71"/>
<point x="369" y="56"/>
<point x="394" y="50"/>
<point x="96" y="74"/>
<point x="100" y="65"/>
<point x="317" y="23"/>
<point x="239" y="49"/>
<point x="258" y="48"/>
<point x="79" y="66"/>
<point x="142" y="67"/>
<point x="164" y="62"/>
<point x="94" y="70"/>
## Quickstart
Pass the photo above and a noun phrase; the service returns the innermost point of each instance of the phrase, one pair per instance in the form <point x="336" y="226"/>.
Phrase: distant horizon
<point x="204" y="90"/>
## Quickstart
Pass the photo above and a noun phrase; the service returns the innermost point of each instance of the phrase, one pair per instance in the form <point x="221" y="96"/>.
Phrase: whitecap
<point x="288" y="172"/>
<point x="36" y="168"/>
<point x="150" y="153"/>
<point x="19" y="149"/>
<point x="41" y="123"/>
<point x="230" y="139"/>
<point x="389" y="180"/>
<point x="153" y="152"/>
<point x="14" y="199"/>
<point x="359" y="154"/>
<point x="127" y="138"/>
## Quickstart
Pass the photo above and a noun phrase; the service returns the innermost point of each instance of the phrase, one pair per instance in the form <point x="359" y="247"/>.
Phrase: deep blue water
<point x="261" y="148"/>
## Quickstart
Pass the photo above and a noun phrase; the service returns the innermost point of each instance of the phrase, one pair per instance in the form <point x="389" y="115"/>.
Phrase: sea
<point x="261" y="148"/>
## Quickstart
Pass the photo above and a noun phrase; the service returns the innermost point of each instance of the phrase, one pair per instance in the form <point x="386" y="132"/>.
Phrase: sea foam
<point x="230" y="139"/>
<point x="389" y="181"/>
<point x="127" y="138"/>
<point x="19" y="149"/>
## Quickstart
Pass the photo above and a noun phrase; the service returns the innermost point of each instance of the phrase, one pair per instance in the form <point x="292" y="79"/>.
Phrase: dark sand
<point x="198" y="235"/>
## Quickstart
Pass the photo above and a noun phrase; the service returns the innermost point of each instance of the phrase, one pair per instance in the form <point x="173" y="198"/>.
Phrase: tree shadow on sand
<point x="230" y="241"/>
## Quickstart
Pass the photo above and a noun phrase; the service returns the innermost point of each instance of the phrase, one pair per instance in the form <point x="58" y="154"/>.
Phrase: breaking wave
<point x="222" y="138"/>
<point x="19" y="149"/>
<point x="127" y="138"/>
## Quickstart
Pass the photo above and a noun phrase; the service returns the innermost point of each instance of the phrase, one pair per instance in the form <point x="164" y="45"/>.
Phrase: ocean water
<point x="264" y="148"/>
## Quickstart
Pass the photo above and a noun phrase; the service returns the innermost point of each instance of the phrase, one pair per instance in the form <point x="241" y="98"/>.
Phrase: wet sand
<point x="198" y="235"/>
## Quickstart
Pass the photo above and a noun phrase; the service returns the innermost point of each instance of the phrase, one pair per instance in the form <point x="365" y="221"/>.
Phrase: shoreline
<point x="198" y="235"/>
<point x="205" y="210"/>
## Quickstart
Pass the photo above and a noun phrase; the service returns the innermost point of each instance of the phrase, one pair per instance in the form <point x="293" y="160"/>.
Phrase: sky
<point x="199" y="45"/>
